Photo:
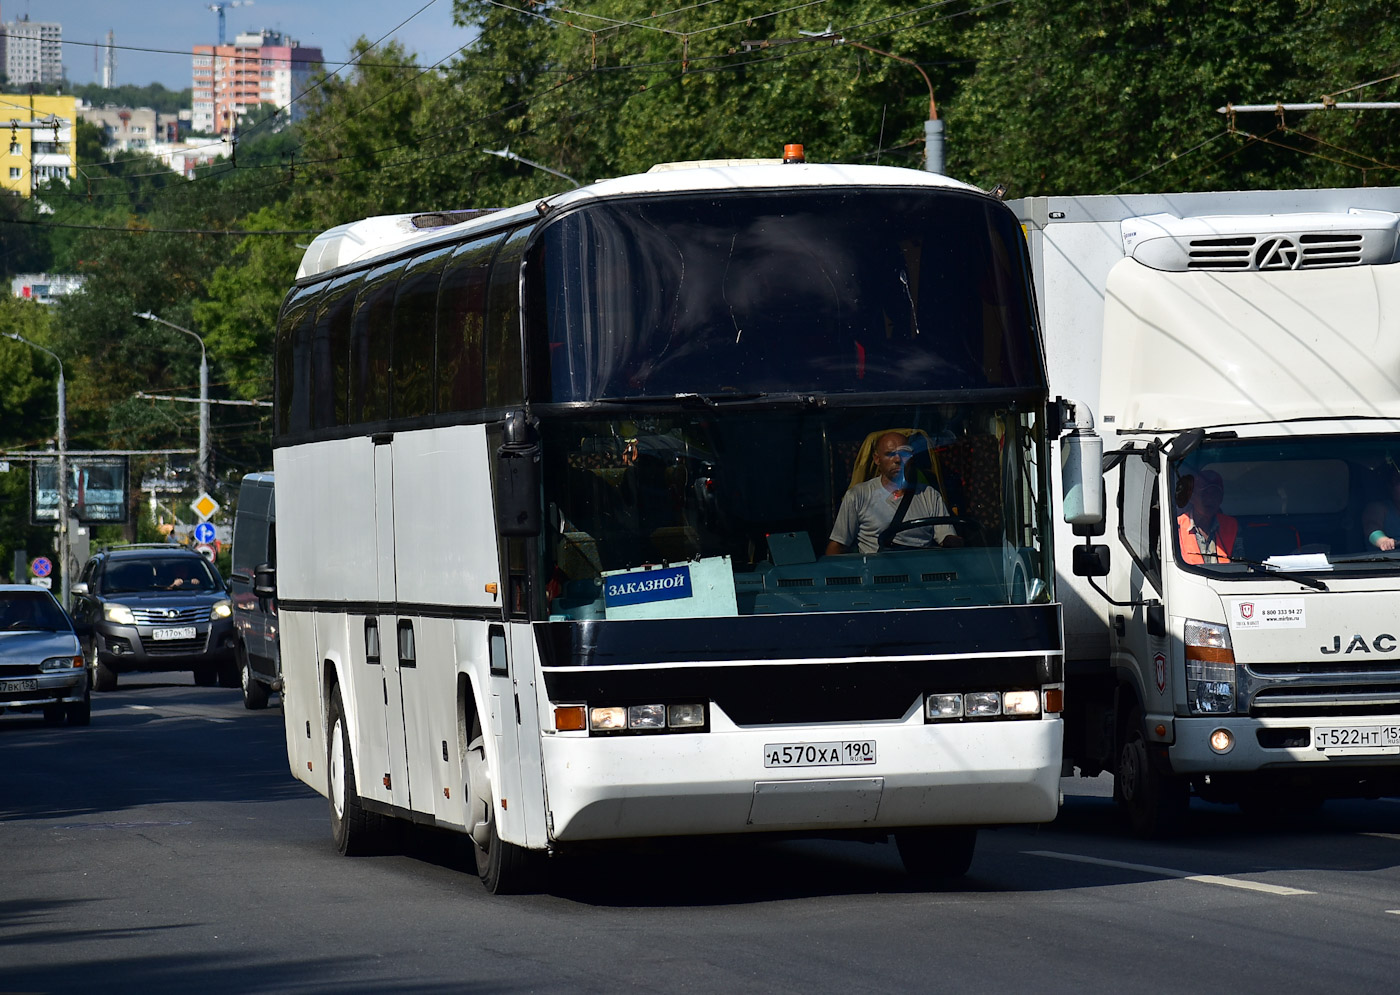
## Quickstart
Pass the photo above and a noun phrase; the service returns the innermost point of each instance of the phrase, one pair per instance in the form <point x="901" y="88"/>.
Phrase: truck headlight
<point x="1210" y="667"/>
<point x="119" y="614"/>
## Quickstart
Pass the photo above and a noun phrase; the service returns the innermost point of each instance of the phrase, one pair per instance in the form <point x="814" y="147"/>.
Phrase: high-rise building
<point x="260" y="67"/>
<point x="33" y="52"/>
<point x="37" y="151"/>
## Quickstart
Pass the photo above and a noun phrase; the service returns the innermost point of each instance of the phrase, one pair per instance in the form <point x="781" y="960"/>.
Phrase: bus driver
<point x="869" y="507"/>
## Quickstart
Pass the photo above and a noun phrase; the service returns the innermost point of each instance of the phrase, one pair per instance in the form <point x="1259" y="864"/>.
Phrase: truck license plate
<point x="1356" y="737"/>
<point x="29" y="685"/>
<point x="854" y="751"/>
<point x="187" y="632"/>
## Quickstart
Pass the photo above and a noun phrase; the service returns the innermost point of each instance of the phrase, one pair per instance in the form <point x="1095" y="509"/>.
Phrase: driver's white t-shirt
<point x="868" y="508"/>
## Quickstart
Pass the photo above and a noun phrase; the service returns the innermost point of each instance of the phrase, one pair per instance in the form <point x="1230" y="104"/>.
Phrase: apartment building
<point x="38" y="151"/>
<point x="33" y="51"/>
<point x="260" y="67"/>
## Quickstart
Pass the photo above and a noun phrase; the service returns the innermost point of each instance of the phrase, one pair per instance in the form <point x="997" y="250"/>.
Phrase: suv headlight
<point x="221" y="609"/>
<point x="119" y="614"/>
<point x="1210" y="667"/>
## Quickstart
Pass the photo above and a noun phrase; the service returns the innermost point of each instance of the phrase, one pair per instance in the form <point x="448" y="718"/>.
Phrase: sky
<point x="175" y="26"/>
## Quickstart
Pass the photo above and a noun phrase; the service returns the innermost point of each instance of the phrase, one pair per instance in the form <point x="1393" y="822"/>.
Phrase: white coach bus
<point x="557" y="487"/>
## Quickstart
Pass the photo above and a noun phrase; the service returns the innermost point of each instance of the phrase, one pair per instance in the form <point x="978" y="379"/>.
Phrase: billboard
<point x="99" y="490"/>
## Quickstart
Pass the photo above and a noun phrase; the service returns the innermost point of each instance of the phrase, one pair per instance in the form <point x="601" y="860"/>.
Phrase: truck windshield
<point x="1296" y="504"/>
<point x="724" y="512"/>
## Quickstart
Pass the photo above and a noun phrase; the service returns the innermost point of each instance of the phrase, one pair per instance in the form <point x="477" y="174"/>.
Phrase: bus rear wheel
<point x="356" y="831"/>
<point x="504" y="868"/>
<point x="934" y="856"/>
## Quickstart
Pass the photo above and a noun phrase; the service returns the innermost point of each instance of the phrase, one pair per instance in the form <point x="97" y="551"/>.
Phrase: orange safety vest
<point x="1224" y="540"/>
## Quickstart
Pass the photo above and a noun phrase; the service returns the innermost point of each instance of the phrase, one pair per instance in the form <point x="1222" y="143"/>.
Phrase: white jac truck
<point x="1233" y="628"/>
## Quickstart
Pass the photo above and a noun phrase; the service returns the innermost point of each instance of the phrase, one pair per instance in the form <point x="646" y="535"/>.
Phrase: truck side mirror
<point x="1081" y="466"/>
<point x="1091" y="560"/>
<point x="265" y="580"/>
<point x="518" y="480"/>
<point x="1156" y="619"/>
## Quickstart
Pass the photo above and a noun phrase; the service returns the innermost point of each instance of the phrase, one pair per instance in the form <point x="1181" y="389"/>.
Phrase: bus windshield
<point x="1300" y="503"/>
<point x="725" y="512"/>
<point x="832" y="290"/>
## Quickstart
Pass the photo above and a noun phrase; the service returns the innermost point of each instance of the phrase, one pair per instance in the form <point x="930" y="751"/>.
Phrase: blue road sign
<point x="41" y="566"/>
<point x="204" y="532"/>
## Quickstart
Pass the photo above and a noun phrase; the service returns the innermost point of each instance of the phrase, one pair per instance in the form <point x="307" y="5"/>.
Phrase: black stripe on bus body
<point x="401" y="609"/>
<point x="1007" y="629"/>
<point x="762" y="693"/>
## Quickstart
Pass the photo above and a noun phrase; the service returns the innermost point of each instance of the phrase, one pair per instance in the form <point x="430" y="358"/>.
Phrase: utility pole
<point x="63" y="536"/>
<point x="933" y="127"/>
<point x="203" y="396"/>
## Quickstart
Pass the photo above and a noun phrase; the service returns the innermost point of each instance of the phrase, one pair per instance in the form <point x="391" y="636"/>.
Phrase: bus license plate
<point x="1356" y="737"/>
<point x="29" y="685"/>
<point x="188" y="632"/>
<point x="853" y="751"/>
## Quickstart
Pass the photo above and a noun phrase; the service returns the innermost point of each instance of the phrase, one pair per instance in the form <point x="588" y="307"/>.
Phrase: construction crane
<point x="219" y="8"/>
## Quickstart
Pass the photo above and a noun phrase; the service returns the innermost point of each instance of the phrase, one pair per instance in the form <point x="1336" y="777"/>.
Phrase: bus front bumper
<point x="962" y="773"/>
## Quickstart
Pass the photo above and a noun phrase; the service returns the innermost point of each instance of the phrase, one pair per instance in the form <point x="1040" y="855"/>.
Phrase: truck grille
<point x="1321" y="688"/>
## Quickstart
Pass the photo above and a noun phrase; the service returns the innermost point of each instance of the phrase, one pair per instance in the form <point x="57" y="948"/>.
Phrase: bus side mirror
<point x="518" y="480"/>
<point x="265" y="580"/>
<point x="1081" y="466"/>
<point x="1090" y="561"/>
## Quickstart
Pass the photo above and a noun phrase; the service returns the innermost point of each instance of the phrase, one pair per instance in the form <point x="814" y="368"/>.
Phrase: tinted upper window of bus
<point x="504" y="379"/>
<point x="460" y="326"/>
<point x="330" y="354"/>
<point x="371" y="339"/>
<point x="415" y="321"/>
<point x="840" y="291"/>
<point x="293" y="358"/>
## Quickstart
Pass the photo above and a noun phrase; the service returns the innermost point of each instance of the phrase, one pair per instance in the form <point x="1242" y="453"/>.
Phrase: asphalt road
<point x="167" y="848"/>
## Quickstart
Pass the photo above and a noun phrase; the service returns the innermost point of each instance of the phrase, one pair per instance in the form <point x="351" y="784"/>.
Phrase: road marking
<point x="1169" y="872"/>
<point x="142" y="708"/>
<point x="1392" y="912"/>
<point x="1383" y="836"/>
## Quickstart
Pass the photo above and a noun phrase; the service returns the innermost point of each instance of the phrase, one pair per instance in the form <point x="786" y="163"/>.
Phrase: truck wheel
<point x="1155" y="803"/>
<point x="935" y="856"/>
<point x="357" y="832"/>
<point x="254" y="691"/>
<point x="504" y="868"/>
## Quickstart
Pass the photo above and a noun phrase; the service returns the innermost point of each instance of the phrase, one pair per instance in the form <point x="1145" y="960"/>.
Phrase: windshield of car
<point x="1299" y="504"/>
<point x="31" y="611"/>
<point x="746" y="507"/>
<point x="160" y="573"/>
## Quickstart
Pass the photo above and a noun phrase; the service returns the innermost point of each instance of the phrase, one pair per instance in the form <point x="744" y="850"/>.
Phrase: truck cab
<point x="1227" y="627"/>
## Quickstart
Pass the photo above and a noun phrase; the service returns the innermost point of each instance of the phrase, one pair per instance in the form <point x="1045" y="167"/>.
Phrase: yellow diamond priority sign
<point x="204" y="506"/>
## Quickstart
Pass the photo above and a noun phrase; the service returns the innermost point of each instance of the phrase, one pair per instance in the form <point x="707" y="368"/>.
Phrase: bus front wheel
<point x="504" y="868"/>
<point x="356" y="831"/>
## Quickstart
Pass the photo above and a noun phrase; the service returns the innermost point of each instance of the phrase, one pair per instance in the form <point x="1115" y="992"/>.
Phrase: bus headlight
<point x="607" y="719"/>
<point x="1210" y="667"/>
<point x="646" y="716"/>
<point x="943" y="706"/>
<point x="982" y="704"/>
<point x="1023" y="704"/>
<point x="685" y="716"/>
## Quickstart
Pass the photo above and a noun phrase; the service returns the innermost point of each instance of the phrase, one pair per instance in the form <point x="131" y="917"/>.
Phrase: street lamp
<point x="203" y="397"/>
<point x="63" y="537"/>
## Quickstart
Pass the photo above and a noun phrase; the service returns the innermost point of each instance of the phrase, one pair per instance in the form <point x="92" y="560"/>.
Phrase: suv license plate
<point x="188" y="632"/>
<point x="29" y="685"/>
<point x="853" y="751"/>
<point x="1357" y="738"/>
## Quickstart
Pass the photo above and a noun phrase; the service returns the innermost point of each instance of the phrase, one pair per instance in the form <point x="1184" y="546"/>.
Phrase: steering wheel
<point x="969" y="524"/>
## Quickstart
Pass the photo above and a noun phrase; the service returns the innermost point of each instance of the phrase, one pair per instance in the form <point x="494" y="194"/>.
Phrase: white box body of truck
<point x="1241" y="352"/>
